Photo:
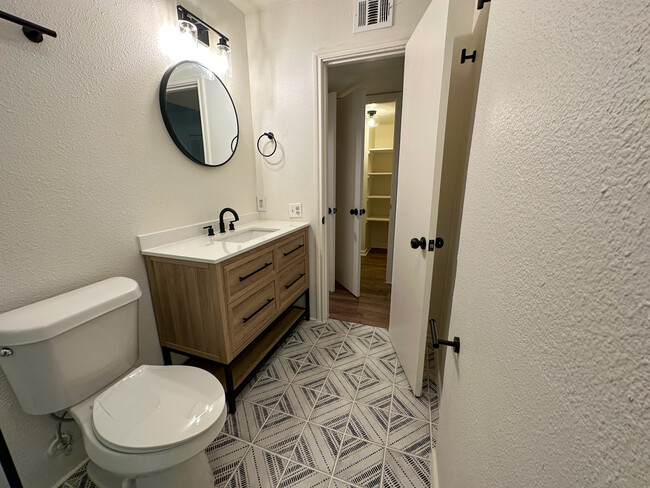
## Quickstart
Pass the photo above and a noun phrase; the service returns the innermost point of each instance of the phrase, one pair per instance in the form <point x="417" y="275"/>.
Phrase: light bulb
<point x="223" y="65"/>
<point x="372" y="123"/>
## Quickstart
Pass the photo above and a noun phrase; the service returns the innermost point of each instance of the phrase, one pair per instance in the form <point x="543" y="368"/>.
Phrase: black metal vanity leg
<point x="167" y="356"/>
<point x="230" y="393"/>
<point x="307" y="310"/>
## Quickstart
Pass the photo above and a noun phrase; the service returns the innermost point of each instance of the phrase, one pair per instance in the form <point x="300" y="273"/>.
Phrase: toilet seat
<point x="157" y="407"/>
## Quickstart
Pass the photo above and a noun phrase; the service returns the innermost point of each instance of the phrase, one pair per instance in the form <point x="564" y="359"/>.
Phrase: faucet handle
<point x="231" y="226"/>
<point x="210" y="230"/>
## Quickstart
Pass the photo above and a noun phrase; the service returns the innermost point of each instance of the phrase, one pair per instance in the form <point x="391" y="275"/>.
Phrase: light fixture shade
<point x="223" y="61"/>
<point x="372" y="121"/>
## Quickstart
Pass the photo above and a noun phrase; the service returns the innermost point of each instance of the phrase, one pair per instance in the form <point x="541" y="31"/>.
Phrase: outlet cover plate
<point x="261" y="204"/>
<point x="295" y="210"/>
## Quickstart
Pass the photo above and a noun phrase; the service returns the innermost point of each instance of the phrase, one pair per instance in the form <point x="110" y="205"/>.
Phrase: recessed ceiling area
<point x="375" y="76"/>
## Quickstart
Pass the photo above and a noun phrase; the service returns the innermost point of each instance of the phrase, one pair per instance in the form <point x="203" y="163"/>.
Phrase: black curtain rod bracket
<point x="32" y="31"/>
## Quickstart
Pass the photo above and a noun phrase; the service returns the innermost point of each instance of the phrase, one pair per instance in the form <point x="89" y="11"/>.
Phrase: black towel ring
<point x="275" y="144"/>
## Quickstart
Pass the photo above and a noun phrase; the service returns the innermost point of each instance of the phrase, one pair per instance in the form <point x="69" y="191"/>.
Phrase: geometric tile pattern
<point x="332" y="408"/>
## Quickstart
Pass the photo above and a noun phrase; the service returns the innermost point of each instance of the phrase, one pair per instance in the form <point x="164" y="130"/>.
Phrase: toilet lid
<point x="157" y="407"/>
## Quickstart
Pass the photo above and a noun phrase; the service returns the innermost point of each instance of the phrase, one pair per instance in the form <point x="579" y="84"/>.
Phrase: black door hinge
<point x="481" y="3"/>
<point x="464" y="57"/>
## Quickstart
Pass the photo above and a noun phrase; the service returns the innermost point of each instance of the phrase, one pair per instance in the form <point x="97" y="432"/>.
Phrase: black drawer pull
<point x="286" y="287"/>
<point x="246" y="319"/>
<point x="266" y="265"/>
<point x="293" y="250"/>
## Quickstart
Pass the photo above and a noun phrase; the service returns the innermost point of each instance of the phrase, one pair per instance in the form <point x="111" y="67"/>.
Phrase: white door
<point x="427" y="71"/>
<point x="393" y="188"/>
<point x="350" y="129"/>
<point x="331" y="190"/>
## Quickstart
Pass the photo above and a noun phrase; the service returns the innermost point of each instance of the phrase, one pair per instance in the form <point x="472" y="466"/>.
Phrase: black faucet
<point x="222" y="226"/>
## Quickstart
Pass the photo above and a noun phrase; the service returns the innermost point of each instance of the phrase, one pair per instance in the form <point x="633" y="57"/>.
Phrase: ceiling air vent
<point x="372" y="14"/>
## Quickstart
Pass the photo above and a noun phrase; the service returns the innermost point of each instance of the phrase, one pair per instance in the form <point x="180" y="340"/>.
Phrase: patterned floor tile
<point x="404" y="471"/>
<point x="350" y="363"/>
<point x="282" y="369"/>
<point x="383" y="350"/>
<point x="368" y="423"/>
<point x="364" y="331"/>
<point x="379" y="369"/>
<point x="357" y="344"/>
<point x="267" y="391"/>
<point x="406" y="403"/>
<point x="409" y="435"/>
<point x="311" y="376"/>
<point x="332" y="412"/>
<point x="341" y="384"/>
<point x="340" y="484"/>
<point x="280" y="433"/>
<point x="297" y="401"/>
<point x="337" y="326"/>
<point x="381" y="334"/>
<point x="259" y="469"/>
<point x="224" y="454"/>
<point x="331" y="341"/>
<point x="295" y="350"/>
<point x="318" y="447"/>
<point x="308" y="335"/>
<point x="400" y="376"/>
<point x="247" y="421"/>
<point x="359" y="462"/>
<point x="297" y="476"/>
<point x="434" y="434"/>
<point x="322" y="356"/>
<point x="375" y="393"/>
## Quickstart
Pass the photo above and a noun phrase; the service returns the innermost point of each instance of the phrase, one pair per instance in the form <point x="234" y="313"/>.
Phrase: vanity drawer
<point x="291" y="249"/>
<point x="251" y="314"/>
<point x="292" y="281"/>
<point x="245" y="272"/>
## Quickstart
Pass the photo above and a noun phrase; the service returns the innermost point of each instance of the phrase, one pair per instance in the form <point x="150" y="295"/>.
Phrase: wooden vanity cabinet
<point x="235" y="311"/>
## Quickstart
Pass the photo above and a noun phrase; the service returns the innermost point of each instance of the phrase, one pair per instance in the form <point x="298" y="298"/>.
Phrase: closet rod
<point x="33" y="32"/>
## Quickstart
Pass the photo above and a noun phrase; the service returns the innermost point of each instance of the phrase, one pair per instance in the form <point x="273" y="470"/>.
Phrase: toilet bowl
<point x="148" y="428"/>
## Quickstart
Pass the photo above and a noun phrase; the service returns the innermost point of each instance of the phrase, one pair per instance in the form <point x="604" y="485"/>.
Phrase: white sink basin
<point x="248" y="235"/>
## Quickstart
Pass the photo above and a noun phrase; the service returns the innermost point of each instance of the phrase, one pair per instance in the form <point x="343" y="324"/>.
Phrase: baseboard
<point x="364" y="252"/>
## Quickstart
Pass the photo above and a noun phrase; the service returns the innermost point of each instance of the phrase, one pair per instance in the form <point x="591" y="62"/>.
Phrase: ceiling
<point x="248" y="6"/>
<point x="385" y="112"/>
<point x="376" y="76"/>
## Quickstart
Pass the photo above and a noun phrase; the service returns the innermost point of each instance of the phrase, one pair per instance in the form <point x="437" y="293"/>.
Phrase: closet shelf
<point x="387" y="197"/>
<point x="380" y="174"/>
<point x="377" y="219"/>
<point x="377" y="150"/>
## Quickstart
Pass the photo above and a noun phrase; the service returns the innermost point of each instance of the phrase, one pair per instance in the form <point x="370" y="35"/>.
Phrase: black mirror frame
<point x="162" y="93"/>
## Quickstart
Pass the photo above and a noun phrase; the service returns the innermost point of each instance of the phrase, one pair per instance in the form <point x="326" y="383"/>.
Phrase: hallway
<point x="373" y="306"/>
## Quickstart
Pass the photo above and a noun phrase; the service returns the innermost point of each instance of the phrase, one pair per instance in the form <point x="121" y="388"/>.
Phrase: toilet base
<point x="194" y="472"/>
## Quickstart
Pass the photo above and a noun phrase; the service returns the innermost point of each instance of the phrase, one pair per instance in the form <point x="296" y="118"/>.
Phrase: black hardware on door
<point x="464" y="57"/>
<point x="246" y="319"/>
<point x="323" y="221"/>
<point x="329" y="210"/>
<point x="421" y="243"/>
<point x="481" y="3"/>
<point x="354" y="211"/>
<point x="437" y="244"/>
<point x="439" y="342"/>
<point x="362" y="211"/>
<point x="334" y="211"/>
<point x="266" y="265"/>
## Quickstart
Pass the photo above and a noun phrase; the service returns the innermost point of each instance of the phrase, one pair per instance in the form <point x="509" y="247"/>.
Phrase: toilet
<point x="143" y="429"/>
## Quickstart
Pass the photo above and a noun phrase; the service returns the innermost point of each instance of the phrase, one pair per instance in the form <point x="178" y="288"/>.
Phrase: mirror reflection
<point x="199" y="113"/>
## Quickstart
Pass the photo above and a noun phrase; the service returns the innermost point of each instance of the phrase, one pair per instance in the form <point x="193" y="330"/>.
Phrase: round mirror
<point x="199" y="113"/>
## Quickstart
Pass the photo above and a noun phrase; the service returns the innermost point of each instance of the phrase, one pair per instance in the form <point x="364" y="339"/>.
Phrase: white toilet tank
<point x="60" y="351"/>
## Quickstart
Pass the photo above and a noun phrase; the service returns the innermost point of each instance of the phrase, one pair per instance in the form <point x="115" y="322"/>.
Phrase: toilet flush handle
<point x="5" y="352"/>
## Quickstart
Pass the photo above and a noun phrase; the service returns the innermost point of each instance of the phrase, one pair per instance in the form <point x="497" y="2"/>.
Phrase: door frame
<point x="322" y="60"/>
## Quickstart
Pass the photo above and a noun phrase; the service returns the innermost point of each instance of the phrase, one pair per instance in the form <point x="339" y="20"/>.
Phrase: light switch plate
<point x="261" y="204"/>
<point x="295" y="210"/>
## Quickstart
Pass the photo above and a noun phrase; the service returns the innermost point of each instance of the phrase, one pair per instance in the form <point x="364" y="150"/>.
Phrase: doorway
<point x="364" y="113"/>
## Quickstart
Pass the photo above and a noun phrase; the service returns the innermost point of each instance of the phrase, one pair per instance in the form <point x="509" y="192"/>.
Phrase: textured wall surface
<point x="282" y="42"/>
<point x="552" y="295"/>
<point x="86" y="164"/>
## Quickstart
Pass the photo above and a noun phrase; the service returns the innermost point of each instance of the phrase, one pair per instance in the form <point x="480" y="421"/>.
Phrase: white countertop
<point x="206" y="249"/>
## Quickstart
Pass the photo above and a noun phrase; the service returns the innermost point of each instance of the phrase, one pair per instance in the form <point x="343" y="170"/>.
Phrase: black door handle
<point x="334" y="211"/>
<point x="362" y="211"/>
<point x="354" y="211"/>
<point x="329" y="210"/>
<point x="421" y="243"/>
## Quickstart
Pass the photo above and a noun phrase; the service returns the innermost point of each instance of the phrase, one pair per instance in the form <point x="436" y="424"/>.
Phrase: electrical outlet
<point x="295" y="210"/>
<point x="261" y="204"/>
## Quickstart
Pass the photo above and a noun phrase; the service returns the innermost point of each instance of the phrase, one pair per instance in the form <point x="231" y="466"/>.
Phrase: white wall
<point x="86" y="164"/>
<point x="282" y="42"/>
<point x="552" y="290"/>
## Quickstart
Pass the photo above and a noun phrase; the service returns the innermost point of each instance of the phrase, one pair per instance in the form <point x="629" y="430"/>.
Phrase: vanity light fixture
<point x="187" y="18"/>
<point x="372" y="121"/>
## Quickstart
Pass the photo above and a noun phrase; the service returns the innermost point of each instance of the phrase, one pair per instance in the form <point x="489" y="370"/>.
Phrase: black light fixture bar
<point x="33" y="32"/>
<point x="201" y="25"/>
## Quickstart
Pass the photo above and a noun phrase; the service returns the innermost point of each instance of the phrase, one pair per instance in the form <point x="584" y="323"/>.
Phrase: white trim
<point x="434" y="469"/>
<point x="322" y="59"/>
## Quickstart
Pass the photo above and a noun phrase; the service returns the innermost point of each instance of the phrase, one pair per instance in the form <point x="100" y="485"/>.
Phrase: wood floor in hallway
<point x="373" y="306"/>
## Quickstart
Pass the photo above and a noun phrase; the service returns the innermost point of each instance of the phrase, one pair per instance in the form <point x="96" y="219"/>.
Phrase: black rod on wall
<point x="33" y="32"/>
<point x="8" y="465"/>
